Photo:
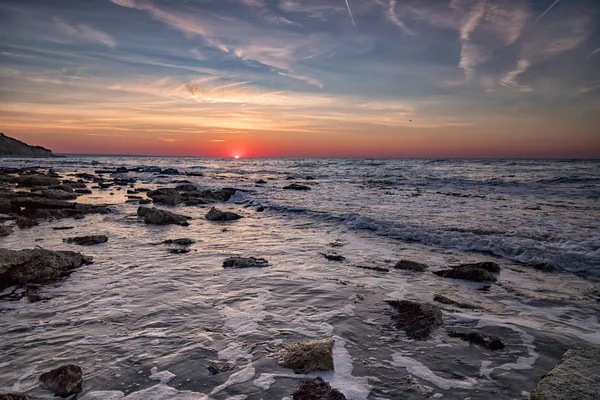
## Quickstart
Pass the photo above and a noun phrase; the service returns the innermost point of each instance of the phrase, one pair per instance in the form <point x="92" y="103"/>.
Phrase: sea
<point x="144" y="323"/>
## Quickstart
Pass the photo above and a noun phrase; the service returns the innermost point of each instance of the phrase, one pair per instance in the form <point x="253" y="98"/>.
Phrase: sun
<point x="236" y="157"/>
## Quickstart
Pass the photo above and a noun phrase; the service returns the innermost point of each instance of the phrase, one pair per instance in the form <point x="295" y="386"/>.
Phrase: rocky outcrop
<point x="418" y="320"/>
<point x="296" y="186"/>
<point x="12" y="396"/>
<point x="155" y="216"/>
<point x="189" y="195"/>
<point x="18" y="267"/>
<point x="317" y="389"/>
<point x="87" y="240"/>
<point x="308" y="356"/>
<point x="64" y="380"/>
<point x="411" y="266"/>
<point x="10" y="147"/>
<point x="217" y="215"/>
<point x="479" y="339"/>
<point x="467" y="272"/>
<point x="575" y="377"/>
<point x="245" y="262"/>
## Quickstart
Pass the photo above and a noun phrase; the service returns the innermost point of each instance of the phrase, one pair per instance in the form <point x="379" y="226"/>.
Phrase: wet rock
<point x="196" y="197"/>
<point x="170" y="171"/>
<point x="24" y="223"/>
<point x="333" y="257"/>
<point x="83" y="191"/>
<point x="62" y="228"/>
<point x="310" y="178"/>
<point x="411" y="266"/>
<point x="167" y="196"/>
<point x="5" y="230"/>
<point x="179" y="251"/>
<point x="155" y="216"/>
<point x="218" y="215"/>
<point x="216" y="367"/>
<point x="186" y="188"/>
<point x="469" y="273"/>
<point x="260" y="209"/>
<point x="440" y="298"/>
<point x="295" y="186"/>
<point x="87" y="240"/>
<point x="378" y="269"/>
<point x="489" y="266"/>
<point x="144" y="201"/>
<point x="245" y="262"/>
<point x="418" y="320"/>
<point x="261" y="182"/>
<point x="41" y="203"/>
<point x="121" y="170"/>
<point x="575" y="377"/>
<point x="180" y="242"/>
<point x="194" y="174"/>
<point x="308" y="356"/>
<point x="479" y="339"/>
<point x="36" y="180"/>
<point x="19" y="267"/>
<point x="317" y="389"/>
<point x="64" y="380"/>
<point x="58" y="194"/>
<point x="12" y="396"/>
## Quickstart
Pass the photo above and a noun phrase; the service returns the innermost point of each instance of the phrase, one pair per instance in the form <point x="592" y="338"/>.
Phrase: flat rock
<point x="217" y="215"/>
<point x="245" y="262"/>
<point x="87" y="240"/>
<point x="479" y="339"/>
<point x="155" y="216"/>
<point x="64" y="380"/>
<point x="469" y="273"/>
<point x="575" y="377"/>
<point x="41" y="203"/>
<point x="36" y="180"/>
<point x="489" y="266"/>
<point x="296" y="186"/>
<point x="308" y="356"/>
<point x="418" y="320"/>
<point x="317" y="389"/>
<point x="57" y="194"/>
<point x="18" y="267"/>
<point x="411" y="266"/>
<point x="180" y="242"/>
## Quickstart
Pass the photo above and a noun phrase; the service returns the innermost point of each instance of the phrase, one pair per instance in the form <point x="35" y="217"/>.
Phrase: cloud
<point x="83" y="32"/>
<point x="391" y="14"/>
<point x="594" y="52"/>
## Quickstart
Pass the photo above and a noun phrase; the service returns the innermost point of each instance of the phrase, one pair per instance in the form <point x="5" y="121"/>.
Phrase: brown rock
<point x="411" y="265"/>
<point x="309" y="356"/>
<point x="418" y="320"/>
<point x="218" y="215"/>
<point x="317" y="389"/>
<point x="64" y="380"/>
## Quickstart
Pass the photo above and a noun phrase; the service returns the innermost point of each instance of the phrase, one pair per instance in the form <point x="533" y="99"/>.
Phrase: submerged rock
<point x="308" y="356"/>
<point x="296" y="186"/>
<point x="87" y="240"/>
<point x="155" y="216"/>
<point x="13" y="396"/>
<point x="467" y="272"/>
<point x="575" y="377"/>
<point x="57" y="194"/>
<point x="167" y="196"/>
<point x="180" y="242"/>
<point x="411" y="265"/>
<point x="19" y="267"/>
<point x="218" y="215"/>
<point x="216" y="367"/>
<point x="64" y="380"/>
<point x="245" y="262"/>
<point x="179" y="251"/>
<point x="317" y="389"/>
<point x="36" y="180"/>
<point x="489" y="266"/>
<point x="418" y="320"/>
<point x="333" y="257"/>
<point x="440" y="298"/>
<point x="260" y="182"/>
<point x="480" y="339"/>
<point x="5" y="230"/>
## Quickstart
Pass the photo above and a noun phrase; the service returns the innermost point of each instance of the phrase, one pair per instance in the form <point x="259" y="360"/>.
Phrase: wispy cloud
<point x="391" y="13"/>
<point x="83" y="32"/>
<point x="594" y="52"/>
<point x="547" y="10"/>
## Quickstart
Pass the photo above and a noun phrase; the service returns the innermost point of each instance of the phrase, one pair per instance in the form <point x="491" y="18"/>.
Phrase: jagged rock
<point x="87" y="240"/>
<point x="166" y="196"/>
<point x="13" y="396"/>
<point x="144" y="201"/>
<point x="333" y="257"/>
<point x="418" y="320"/>
<point x="575" y="377"/>
<point x="295" y="186"/>
<point x="218" y="215"/>
<point x="317" y="389"/>
<point x="64" y="380"/>
<point x="411" y="265"/>
<point x="245" y="262"/>
<point x="180" y="242"/>
<point x="308" y="356"/>
<point x="5" y="230"/>
<point x="469" y="273"/>
<point x="155" y="216"/>
<point x="260" y="209"/>
<point x="56" y="194"/>
<point x="440" y="298"/>
<point x="215" y="367"/>
<point x="19" y="267"/>
<point x="489" y="266"/>
<point x="480" y="339"/>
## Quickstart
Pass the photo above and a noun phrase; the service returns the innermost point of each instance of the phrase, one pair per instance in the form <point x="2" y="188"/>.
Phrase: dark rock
<point x="36" y="180"/>
<point x="317" y="389"/>
<point x="245" y="262"/>
<point x="186" y="188"/>
<point x="166" y="196"/>
<point x="10" y="147"/>
<point x="480" y="339"/>
<point x="86" y="176"/>
<point x="261" y="182"/>
<point x="310" y="178"/>
<point x="19" y="267"/>
<point x="545" y="267"/>
<point x="411" y="266"/>
<point x="194" y="174"/>
<point x="155" y="216"/>
<point x="64" y="380"/>
<point x="121" y="170"/>
<point x="24" y="223"/>
<point x="180" y="242"/>
<point x="295" y="186"/>
<point x="179" y="251"/>
<point x="440" y="298"/>
<point x="378" y="269"/>
<point x="170" y="171"/>
<point x="145" y="201"/>
<point x="87" y="240"/>
<point x="468" y="273"/>
<point x="83" y="191"/>
<point x="62" y="228"/>
<point x="215" y="367"/>
<point x="308" y="356"/>
<point x="218" y="215"/>
<point x="12" y="396"/>
<point x="489" y="266"/>
<point x="47" y="204"/>
<point x="260" y="209"/>
<point x="333" y="257"/>
<point x="418" y="320"/>
<point x="58" y="194"/>
<point x="575" y="377"/>
<point x="290" y="178"/>
<point x="5" y="230"/>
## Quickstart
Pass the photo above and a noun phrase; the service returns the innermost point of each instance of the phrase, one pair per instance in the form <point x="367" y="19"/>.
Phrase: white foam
<point x="234" y="352"/>
<point x="243" y="375"/>
<point x="162" y="377"/>
<point x="163" y="392"/>
<point x="238" y="397"/>
<point x="265" y="381"/>
<point x="244" y="321"/>
<point x="104" y="395"/>
<point x="419" y="370"/>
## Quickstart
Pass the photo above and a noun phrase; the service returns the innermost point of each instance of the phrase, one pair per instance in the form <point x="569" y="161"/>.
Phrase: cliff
<point x="10" y="147"/>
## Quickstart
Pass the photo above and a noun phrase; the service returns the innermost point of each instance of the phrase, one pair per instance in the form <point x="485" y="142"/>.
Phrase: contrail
<point x="350" y="11"/>
<point x="548" y="10"/>
<point x="593" y="52"/>
<point x="505" y="85"/>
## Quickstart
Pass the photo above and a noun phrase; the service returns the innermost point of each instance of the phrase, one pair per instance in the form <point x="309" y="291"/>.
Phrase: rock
<point x="194" y="174"/>
<point x="308" y="356"/>
<point x="180" y="242"/>
<point x="170" y="171"/>
<point x="215" y="367"/>
<point x="468" y="273"/>
<point x="333" y="257"/>
<point x="317" y="389"/>
<point x="13" y="396"/>
<point x="418" y="320"/>
<point x="261" y="182"/>
<point x="36" y="180"/>
<point x="19" y="267"/>
<point x="40" y="203"/>
<point x="440" y="298"/>
<point x="310" y="178"/>
<point x="478" y="338"/>
<point x="196" y="197"/>
<point x="87" y="240"/>
<point x="121" y="170"/>
<point x="295" y="186"/>
<point x="155" y="216"/>
<point x="58" y="194"/>
<point x="166" y="196"/>
<point x="10" y="147"/>
<point x="411" y="266"/>
<point x="245" y="262"/>
<point x="575" y="377"/>
<point x="218" y="215"/>
<point x="5" y="230"/>
<point x="83" y="191"/>
<point x="378" y="269"/>
<point x="144" y="201"/>
<point x="24" y="223"/>
<point x="62" y="228"/>
<point x="179" y="251"/>
<point x="489" y="266"/>
<point x="186" y="188"/>
<point x="64" y="380"/>
<point x="260" y="209"/>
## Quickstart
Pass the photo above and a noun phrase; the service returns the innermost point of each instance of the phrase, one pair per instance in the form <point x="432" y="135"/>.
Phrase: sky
<point x="303" y="78"/>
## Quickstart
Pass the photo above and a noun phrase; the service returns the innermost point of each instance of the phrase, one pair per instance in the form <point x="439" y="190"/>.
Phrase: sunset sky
<point x="281" y="78"/>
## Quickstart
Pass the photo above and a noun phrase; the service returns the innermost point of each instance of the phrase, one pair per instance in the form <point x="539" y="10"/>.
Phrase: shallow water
<point x="138" y="307"/>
